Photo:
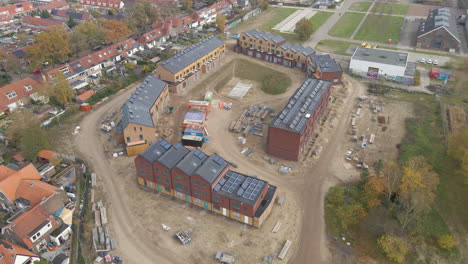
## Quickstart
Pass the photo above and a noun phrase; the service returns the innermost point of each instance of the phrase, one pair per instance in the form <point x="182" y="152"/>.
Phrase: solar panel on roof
<point x="222" y="181"/>
<point x="178" y="146"/>
<point x="217" y="187"/>
<point x="225" y="188"/>
<point x="231" y="190"/>
<point x="252" y="197"/>
<point x="240" y="192"/>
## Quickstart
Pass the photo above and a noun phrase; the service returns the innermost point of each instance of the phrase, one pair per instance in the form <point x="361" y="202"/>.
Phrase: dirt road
<point x="128" y="234"/>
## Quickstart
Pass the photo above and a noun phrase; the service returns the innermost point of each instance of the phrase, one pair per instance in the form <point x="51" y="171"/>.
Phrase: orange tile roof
<point x="19" y="87"/>
<point x="53" y="5"/>
<point x="17" y="8"/>
<point x="86" y="95"/>
<point x="28" y="221"/>
<point x="46" y="154"/>
<point x="41" y="22"/>
<point x="5" y="172"/>
<point x="9" y="254"/>
<point x="18" y="157"/>
<point x="9" y="186"/>
<point x="35" y="191"/>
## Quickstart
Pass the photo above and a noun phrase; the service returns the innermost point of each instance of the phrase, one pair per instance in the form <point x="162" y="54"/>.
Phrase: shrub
<point x="274" y="84"/>
<point x="446" y="242"/>
<point x="395" y="248"/>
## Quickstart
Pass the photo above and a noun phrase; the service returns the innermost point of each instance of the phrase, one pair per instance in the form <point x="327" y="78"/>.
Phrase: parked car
<point x="429" y="61"/>
<point x="37" y="72"/>
<point x="423" y="60"/>
<point x="435" y="62"/>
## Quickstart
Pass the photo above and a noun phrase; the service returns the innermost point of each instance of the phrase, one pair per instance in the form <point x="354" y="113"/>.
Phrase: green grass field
<point x="394" y="9"/>
<point x="361" y="6"/>
<point x="380" y="28"/>
<point x="334" y="46"/>
<point x="319" y="18"/>
<point x="276" y="16"/>
<point x="346" y="25"/>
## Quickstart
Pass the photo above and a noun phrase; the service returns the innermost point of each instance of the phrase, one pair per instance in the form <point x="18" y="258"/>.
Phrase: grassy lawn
<point x="361" y="6"/>
<point x="275" y="17"/>
<point x="394" y="9"/>
<point x="380" y="29"/>
<point x="319" y="18"/>
<point x="346" y="25"/>
<point x="334" y="46"/>
<point x="254" y="72"/>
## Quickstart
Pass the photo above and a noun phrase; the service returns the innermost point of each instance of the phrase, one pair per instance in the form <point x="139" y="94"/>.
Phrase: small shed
<point x="85" y="96"/>
<point x="46" y="156"/>
<point x="441" y="74"/>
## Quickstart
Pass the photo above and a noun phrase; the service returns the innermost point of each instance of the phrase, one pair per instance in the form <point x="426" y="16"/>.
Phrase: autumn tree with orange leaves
<point x="115" y="30"/>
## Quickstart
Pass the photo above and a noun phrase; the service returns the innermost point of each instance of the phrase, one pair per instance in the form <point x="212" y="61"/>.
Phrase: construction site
<point x="228" y="115"/>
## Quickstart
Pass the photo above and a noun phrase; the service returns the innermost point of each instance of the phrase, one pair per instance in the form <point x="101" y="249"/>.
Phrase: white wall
<point x="20" y="259"/>
<point x="363" y="66"/>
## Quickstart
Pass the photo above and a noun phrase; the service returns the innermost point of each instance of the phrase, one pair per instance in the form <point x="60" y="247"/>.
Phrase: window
<point x="165" y="172"/>
<point x="196" y="183"/>
<point x="178" y="177"/>
<point x="156" y="169"/>
<point x="178" y="187"/>
<point x="128" y="139"/>
<point x="167" y="189"/>
<point x="196" y="192"/>
<point x="216" y="207"/>
<point x="11" y="95"/>
<point x="28" y="87"/>
<point x="235" y="214"/>
<point x="337" y="74"/>
<point x="179" y="194"/>
<point x="197" y="201"/>
<point x="141" y="129"/>
<point x="158" y="178"/>
<point x="141" y="137"/>
<point x="236" y="206"/>
<point x="166" y="181"/>
<point x="216" y="199"/>
<point x="134" y="128"/>
<point x="142" y="172"/>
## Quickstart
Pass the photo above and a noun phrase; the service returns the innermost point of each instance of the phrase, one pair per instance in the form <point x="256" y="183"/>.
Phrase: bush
<point x="112" y="90"/>
<point x="446" y="242"/>
<point x="274" y="84"/>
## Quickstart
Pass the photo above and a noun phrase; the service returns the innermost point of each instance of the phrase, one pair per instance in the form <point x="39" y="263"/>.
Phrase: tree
<point x="141" y="16"/>
<point x="263" y="4"/>
<point x="51" y="46"/>
<point x="395" y="248"/>
<point x="392" y="174"/>
<point x="187" y="5"/>
<point x="115" y="30"/>
<point x="8" y="62"/>
<point x="33" y="139"/>
<point x="60" y="88"/>
<point x="95" y="14"/>
<point x="417" y="189"/>
<point x="374" y="188"/>
<point x="87" y="35"/>
<point x="112" y="12"/>
<point x="21" y="121"/>
<point x="458" y="149"/>
<point x="220" y="22"/>
<point x="71" y="23"/>
<point x="304" y="29"/>
<point x="45" y="14"/>
<point x="446" y="242"/>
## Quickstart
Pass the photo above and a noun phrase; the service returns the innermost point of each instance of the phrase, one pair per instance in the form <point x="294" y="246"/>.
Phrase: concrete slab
<point x="288" y="25"/>
<point x="240" y="90"/>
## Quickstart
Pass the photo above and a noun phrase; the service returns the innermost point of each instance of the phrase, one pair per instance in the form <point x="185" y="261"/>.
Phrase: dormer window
<point x="28" y="88"/>
<point x="11" y="95"/>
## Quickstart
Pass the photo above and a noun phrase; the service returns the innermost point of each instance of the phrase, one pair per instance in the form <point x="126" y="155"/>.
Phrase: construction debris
<point x="184" y="236"/>
<point x="224" y="258"/>
<point x="276" y="227"/>
<point x="285" y="249"/>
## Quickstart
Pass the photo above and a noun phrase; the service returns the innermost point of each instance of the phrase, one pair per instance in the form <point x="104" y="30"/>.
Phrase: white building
<point x="381" y="63"/>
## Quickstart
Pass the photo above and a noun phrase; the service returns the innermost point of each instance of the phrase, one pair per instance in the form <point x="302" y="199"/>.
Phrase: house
<point x="85" y="96"/>
<point x="381" y="63"/>
<point x="46" y="156"/>
<point x="137" y="128"/>
<point x="192" y="21"/>
<point x="439" y="31"/>
<point x="65" y="14"/>
<point x="30" y="228"/>
<point x="325" y="68"/>
<point x="13" y="254"/>
<point x="243" y="4"/>
<point x="24" y="188"/>
<point x="41" y="23"/>
<point x="187" y="66"/>
<point x="22" y="8"/>
<point x="19" y="93"/>
<point x="223" y="7"/>
<point x="206" y="181"/>
<point x="291" y="129"/>
<point x="273" y="48"/>
<point x="152" y="38"/>
<point x="207" y="15"/>
<point x="6" y="20"/>
<point x="104" y="4"/>
<point x="53" y="5"/>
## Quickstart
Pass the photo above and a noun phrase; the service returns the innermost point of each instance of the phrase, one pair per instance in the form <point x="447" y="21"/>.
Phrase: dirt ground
<point x="136" y="214"/>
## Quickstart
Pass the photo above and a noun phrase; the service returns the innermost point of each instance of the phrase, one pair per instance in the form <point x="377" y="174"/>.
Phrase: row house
<point x="13" y="254"/>
<point x="41" y="23"/>
<point x="192" y="21"/>
<point x="6" y="20"/>
<point x="89" y="68"/>
<point x="205" y="181"/>
<point x="273" y="48"/>
<point x="53" y="5"/>
<point x="207" y="15"/>
<point x="105" y="4"/>
<point x="291" y="129"/>
<point x="223" y="7"/>
<point x="65" y="14"/>
<point x="19" y="93"/>
<point x="33" y="204"/>
<point x="10" y="13"/>
<point x="152" y="38"/>
<point x="186" y="67"/>
<point x="137" y="128"/>
<point x="325" y="67"/>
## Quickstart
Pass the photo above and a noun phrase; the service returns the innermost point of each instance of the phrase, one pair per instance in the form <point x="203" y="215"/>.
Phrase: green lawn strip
<point x="380" y="29"/>
<point x="276" y="16"/>
<point x="291" y="37"/>
<point x="319" y="18"/>
<point x="360" y="6"/>
<point x="254" y="72"/>
<point x="386" y="8"/>
<point x="346" y="25"/>
<point x="334" y="46"/>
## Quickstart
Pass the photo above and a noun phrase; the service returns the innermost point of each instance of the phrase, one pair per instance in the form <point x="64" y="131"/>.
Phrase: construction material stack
<point x="194" y="132"/>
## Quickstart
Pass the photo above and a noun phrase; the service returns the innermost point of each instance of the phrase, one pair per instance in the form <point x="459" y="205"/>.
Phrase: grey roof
<point x="326" y="63"/>
<point x="240" y="187"/>
<point x="137" y="108"/>
<point x="173" y="155"/>
<point x="192" y="161"/>
<point x="156" y="150"/>
<point x="411" y="69"/>
<point x="307" y="51"/>
<point x="381" y="56"/>
<point x="211" y="168"/>
<point x="439" y="18"/>
<point x="265" y="35"/>
<point x="190" y="54"/>
<point x="302" y="104"/>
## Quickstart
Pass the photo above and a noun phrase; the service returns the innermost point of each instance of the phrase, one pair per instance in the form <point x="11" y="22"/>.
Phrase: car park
<point x="429" y="61"/>
<point x="423" y="60"/>
<point x="435" y="62"/>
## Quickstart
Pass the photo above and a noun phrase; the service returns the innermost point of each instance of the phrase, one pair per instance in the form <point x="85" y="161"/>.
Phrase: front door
<point x="206" y="205"/>
<point x="187" y="198"/>
<point x="159" y="188"/>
